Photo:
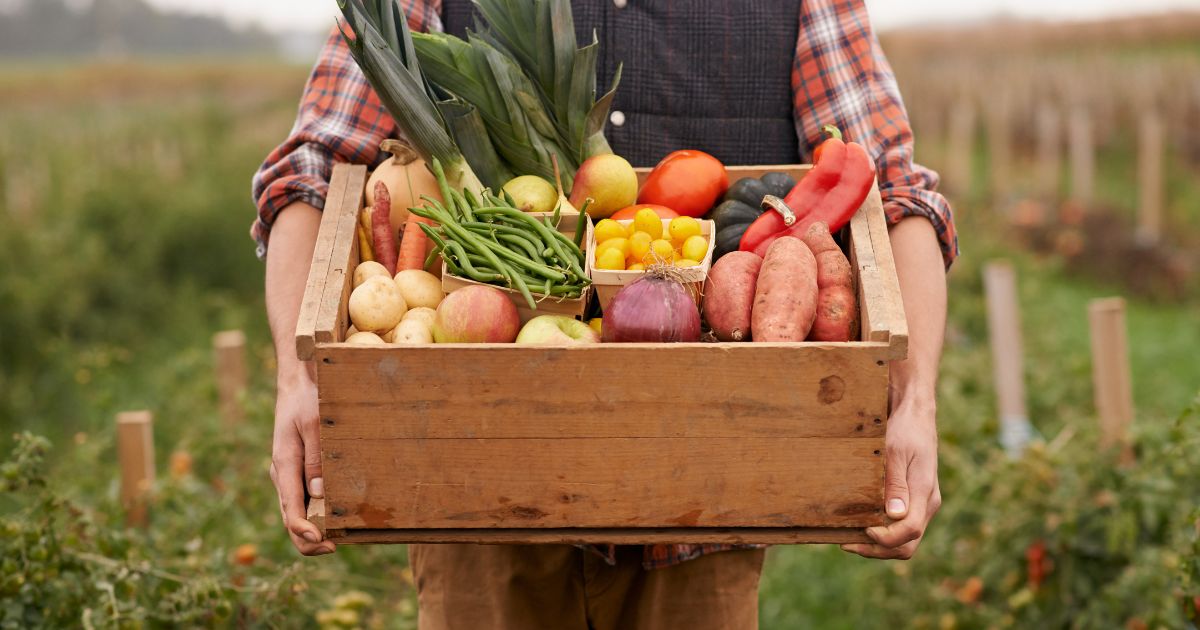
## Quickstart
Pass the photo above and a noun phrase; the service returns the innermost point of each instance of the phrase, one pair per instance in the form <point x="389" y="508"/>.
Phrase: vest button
<point x="617" y="118"/>
<point x="620" y="4"/>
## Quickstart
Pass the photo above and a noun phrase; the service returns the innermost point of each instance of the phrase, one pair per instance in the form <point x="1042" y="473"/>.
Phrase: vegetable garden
<point x="124" y="248"/>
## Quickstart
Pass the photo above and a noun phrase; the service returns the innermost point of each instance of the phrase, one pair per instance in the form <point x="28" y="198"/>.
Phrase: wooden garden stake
<point x="229" y="348"/>
<point x="1082" y="156"/>
<point x="1150" y="178"/>
<point x="1049" y="152"/>
<point x="960" y="137"/>
<point x="1111" y="380"/>
<point x="135" y="450"/>
<point x="1004" y="331"/>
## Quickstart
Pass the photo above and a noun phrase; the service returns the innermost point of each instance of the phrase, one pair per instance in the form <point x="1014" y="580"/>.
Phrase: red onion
<point x="655" y="308"/>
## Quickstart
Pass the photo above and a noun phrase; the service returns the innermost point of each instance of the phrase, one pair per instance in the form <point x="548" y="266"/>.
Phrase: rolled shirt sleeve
<point x="841" y="77"/>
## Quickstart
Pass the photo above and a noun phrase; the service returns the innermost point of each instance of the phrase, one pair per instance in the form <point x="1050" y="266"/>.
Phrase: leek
<point x="383" y="48"/>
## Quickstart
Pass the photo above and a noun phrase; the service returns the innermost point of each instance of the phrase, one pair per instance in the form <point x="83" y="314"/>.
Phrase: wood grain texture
<point x="506" y="390"/>
<point x="1111" y="380"/>
<point x="616" y="536"/>
<point x="314" y="289"/>
<point x="872" y="319"/>
<point x="135" y="452"/>
<point x="737" y="172"/>
<point x="603" y="482"/>
<point x="891" y="303"/>
<point x="229" y="360"/>
<point x="331" y="316"/>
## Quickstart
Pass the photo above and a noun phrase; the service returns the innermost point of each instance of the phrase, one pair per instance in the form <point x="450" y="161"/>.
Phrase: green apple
<point x="556" y="330"/>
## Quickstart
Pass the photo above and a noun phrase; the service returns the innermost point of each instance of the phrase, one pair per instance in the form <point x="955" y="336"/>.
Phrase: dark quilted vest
<point x="698" y="74"/>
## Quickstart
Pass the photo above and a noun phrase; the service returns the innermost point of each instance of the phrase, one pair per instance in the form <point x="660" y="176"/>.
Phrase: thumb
<point x="312" y="469"/>
<point x="896" y="487"/>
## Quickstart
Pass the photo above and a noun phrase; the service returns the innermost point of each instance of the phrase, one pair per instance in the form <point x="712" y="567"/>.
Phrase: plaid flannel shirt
<point x="840" y="76"/>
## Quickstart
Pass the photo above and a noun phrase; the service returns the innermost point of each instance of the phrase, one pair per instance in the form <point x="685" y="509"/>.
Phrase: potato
<point x="785" y="298"/>
<point x="368" y="269"/>
<point x="729" y="295"/>
<point x="837" y="307"/>
<point x="350" y="330"/>
<point x="420" y="288"/>
<point x="366" y="339"/>
<point x="377" y="305"/>
<point x="422" y="314"/>
<point x="412" y="331"/>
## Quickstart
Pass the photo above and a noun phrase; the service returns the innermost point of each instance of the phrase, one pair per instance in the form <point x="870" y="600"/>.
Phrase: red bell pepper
<point x="831" y="192"/>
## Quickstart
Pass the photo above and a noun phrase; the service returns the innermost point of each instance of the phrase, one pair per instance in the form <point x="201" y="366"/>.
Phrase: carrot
<point x="381" y="228"/>
<point x="412" y="244"/>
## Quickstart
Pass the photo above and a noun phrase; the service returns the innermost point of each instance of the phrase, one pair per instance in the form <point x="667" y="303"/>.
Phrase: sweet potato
<point x="729" y="295"/>
<point x="785" y="298"/>
<point x="837" y="306"/>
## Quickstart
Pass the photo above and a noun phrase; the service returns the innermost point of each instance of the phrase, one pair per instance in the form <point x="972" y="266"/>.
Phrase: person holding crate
<point x="812" y="63"/>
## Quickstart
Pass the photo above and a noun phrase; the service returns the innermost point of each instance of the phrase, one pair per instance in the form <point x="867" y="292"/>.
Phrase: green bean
<point x="580" y="228"/>
<point x="434" y="253"/>
<point x="440" y="175"/>
<point x="472" y="272"/>
<point x="463" y="206"/>
<point x="523" y="244"/>
<point x="534" y="240"/>
<point x="493" y="249"/>
<point x="547" y="235"/>
<point x="508" y="198"/>
<point x="524" y="289"/>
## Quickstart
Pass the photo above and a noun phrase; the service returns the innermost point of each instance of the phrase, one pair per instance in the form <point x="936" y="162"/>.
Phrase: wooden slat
<point x="316" y="513"/>
<point x="891" y="303"/>
<point x="314" y="290"/>
<point x="737" y="172"/>
<point x="603" y="482"/>
<point x="603" y="390"/>
<point x="624" y="418"/>
<point x="331" y="315"/>
<point x="617" y="536"/>
<point x="872" y="320"/>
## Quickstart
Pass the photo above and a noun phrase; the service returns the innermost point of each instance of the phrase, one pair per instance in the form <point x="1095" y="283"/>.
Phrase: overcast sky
<point x="318" y="14"/>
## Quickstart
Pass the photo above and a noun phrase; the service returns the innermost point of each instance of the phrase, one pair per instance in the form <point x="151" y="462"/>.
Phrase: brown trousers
<point x="530" y="587"/>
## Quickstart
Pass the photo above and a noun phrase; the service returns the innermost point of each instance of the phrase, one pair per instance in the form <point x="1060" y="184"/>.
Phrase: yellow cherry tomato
<point x="611" y="259"/>
<point x="660" y="252"/>
<point x="620" y="243"/>
<point x="694" y="248"/>
<point x="683" y="228"/>
<point x="647" y="220"/>
<point x="686" y="262"/>
<point x="636" y="267"/>
<point x="607" y="229"/>
<point x="639" y="244"/>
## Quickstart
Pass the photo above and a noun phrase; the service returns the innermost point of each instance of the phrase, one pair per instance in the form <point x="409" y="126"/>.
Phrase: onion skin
<point x="652" y="309"/>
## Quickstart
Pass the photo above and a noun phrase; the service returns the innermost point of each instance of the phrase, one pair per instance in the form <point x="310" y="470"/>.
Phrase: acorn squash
<point x="742" y="205"/>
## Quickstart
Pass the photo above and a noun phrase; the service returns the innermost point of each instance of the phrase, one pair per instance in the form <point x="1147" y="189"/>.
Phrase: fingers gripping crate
<point x="606" y="443"/>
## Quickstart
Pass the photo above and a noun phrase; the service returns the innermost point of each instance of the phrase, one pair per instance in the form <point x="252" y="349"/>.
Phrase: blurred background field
<point x="124" y="216"/>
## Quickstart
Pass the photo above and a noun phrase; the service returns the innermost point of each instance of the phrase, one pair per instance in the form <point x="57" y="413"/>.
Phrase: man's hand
<point x="296" y="461"/>
<point x="913" y="494"/>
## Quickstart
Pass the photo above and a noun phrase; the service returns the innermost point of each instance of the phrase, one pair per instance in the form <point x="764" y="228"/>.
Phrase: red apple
<point x="557" y="330"/>
<point x="476" y="314"/>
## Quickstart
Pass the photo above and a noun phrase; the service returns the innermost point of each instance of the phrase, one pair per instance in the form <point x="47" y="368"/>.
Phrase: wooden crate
<point x="620" y="443"/>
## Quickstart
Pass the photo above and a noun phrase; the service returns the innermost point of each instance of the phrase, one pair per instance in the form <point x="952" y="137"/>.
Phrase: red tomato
<point x="627" y="212"/>
<point x="690" y="182"/>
